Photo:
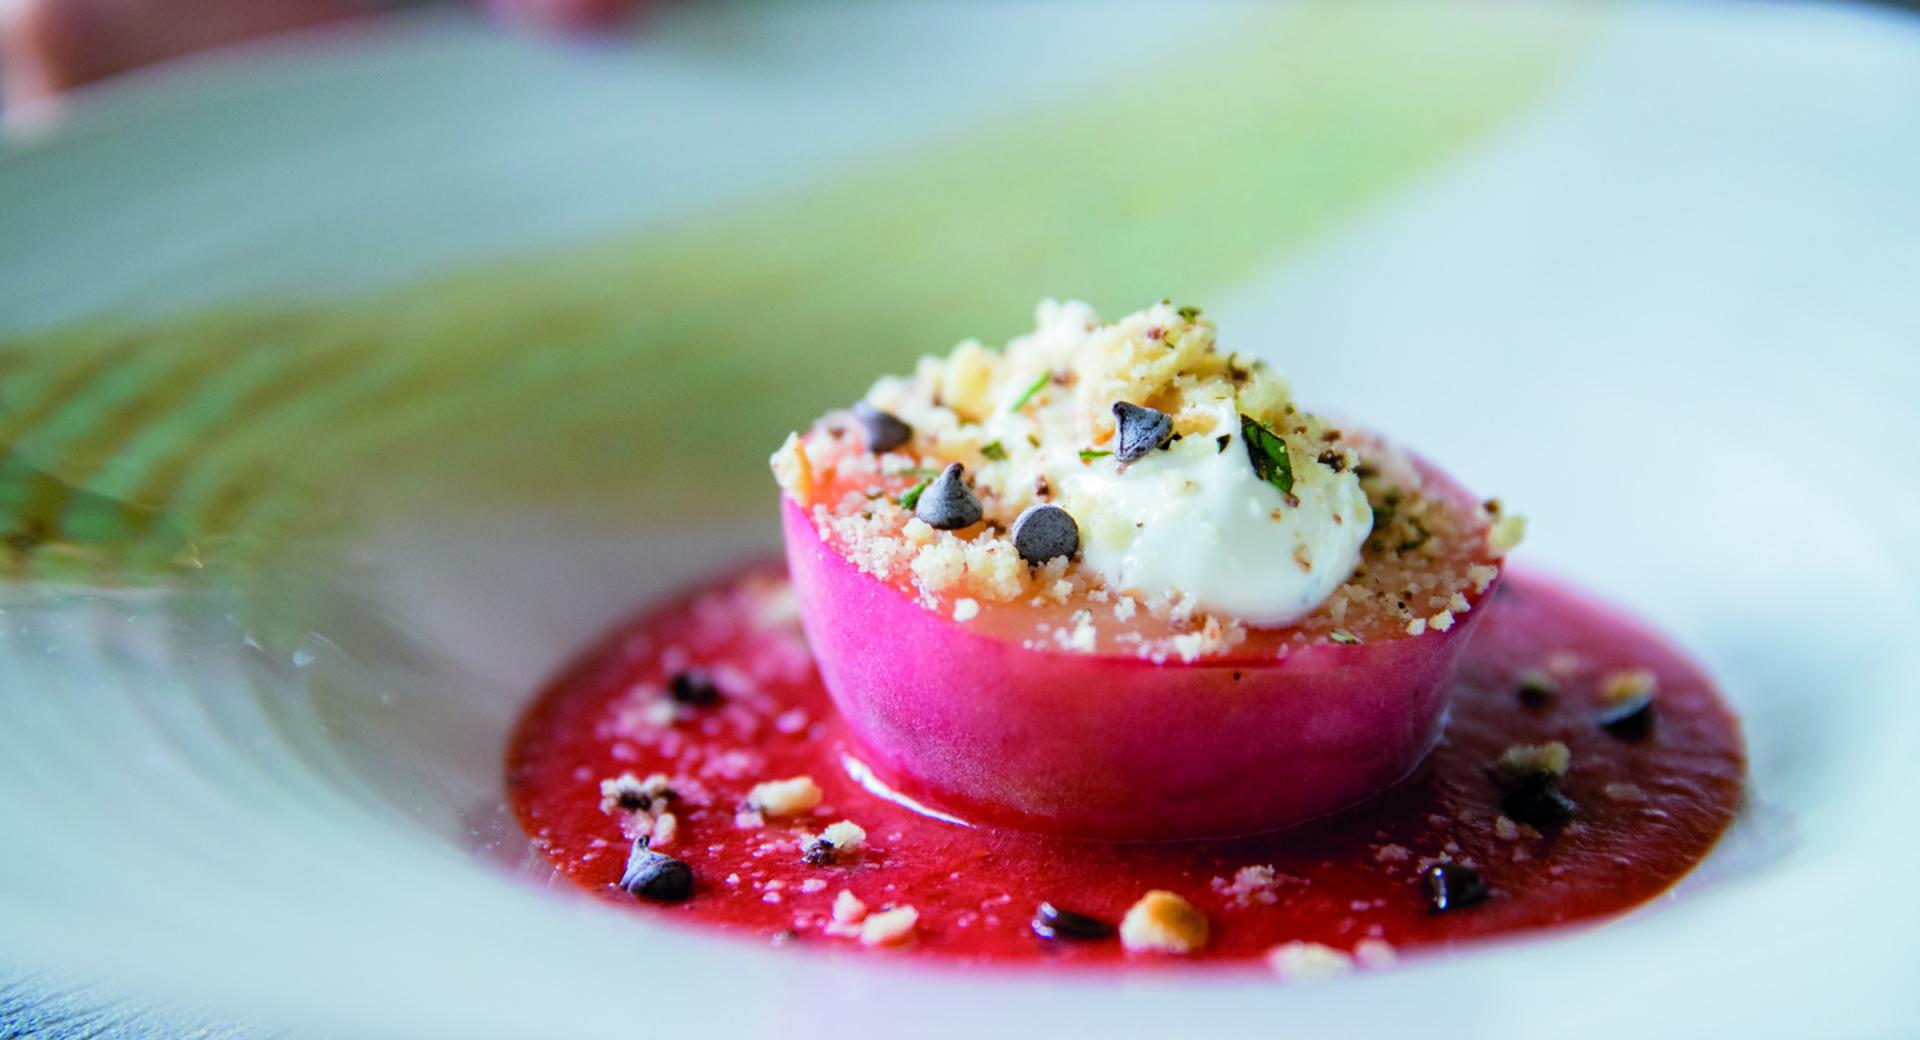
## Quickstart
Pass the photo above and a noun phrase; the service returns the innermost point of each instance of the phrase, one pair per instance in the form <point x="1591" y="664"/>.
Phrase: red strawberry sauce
<point x="1649" y="809"/>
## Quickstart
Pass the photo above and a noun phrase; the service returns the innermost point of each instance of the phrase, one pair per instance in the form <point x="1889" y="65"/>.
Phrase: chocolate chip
<point x="884" y="430"/>
<point x="655" y="875"/>
<point x="1051" y="922"/>
<point x="1536" y="800"/>
<point x="1451" y="886"/>
<point x="1141" y="430"/>
<point x="1537" y="690"/>
<point x="1630" y="719"/>
<point x="948" y="503"/>
<point x="819" y="853"/>
<point x="693" y="687"/>
<point x="633" y="801"/>
<point x="1044" y="533"/>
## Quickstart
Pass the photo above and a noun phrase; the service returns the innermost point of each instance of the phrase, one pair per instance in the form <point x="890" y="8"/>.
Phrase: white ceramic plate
<point x="356" y="381"/>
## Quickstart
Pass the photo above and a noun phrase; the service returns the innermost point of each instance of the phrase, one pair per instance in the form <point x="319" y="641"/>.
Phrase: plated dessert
<point x="1099" y="648"/>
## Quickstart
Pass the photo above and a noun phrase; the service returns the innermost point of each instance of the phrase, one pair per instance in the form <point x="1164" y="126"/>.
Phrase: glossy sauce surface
<point x="1648" y="809"/>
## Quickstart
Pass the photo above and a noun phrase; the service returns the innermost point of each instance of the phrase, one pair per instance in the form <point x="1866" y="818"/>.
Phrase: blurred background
<point x="360" y="360"/>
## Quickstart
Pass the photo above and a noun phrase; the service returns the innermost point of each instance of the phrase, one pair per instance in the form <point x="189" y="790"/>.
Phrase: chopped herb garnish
<point x="1030" y="391"/>
<point x="912" y="496"/>
<point x="994" y="450"/>
<point x="1189" y="313"/>
<point x="1268" y="453"/>
<point x="1089" y="454"/>
<point x="1343" y="636"/>
<point x="1223" y="440"/>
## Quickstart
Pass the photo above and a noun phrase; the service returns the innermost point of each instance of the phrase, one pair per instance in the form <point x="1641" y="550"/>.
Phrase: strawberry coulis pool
<point x="1649" y="807"/>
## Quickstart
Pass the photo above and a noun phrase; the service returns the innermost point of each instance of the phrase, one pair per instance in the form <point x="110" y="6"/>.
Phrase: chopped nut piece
<point x="1506" y="533"/>
<point x="792" y="470"/>
<point x="1618" y="792"/>
<point x="1308" y="961"/>
<point x="889" y="927"/>
<point x="1522" y="760"/>
<point x="846" y="836"/>
<point x="1162" y="922"/>
<point x="788" y="797"/>
<point x="1374" y="953"/>
<point x="839" y="843"/>
<point x="1623" y="686"/>
<point x="848" y="909"/>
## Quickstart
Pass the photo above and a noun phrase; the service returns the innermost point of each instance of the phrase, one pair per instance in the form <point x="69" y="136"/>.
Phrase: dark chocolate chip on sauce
<point x="1045" y="532"/>
<point x="1451" y="886"/>
<point x="693" y="688"/>
<point x="1536" y="690"/>
<point x="1536" y="800"/>
<point x="884" y="430"/>
<point x="1631" y="719"/>
<point x="655" y="875"/>
<point x="819" y="853"/>
<point x="948" y="504"/>
<point x="1051" y="922"/>
<point x="1141" y="430"/>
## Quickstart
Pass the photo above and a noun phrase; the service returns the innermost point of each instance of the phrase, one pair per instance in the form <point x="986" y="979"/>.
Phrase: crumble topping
<point x="1154" y="518"/>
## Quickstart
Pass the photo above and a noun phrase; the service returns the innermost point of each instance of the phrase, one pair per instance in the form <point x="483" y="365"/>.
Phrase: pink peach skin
<point x="1111" y="747"/>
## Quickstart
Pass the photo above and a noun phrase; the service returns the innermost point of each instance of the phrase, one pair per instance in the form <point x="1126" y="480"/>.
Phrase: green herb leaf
<point x="1088" y="454"/>
<point x="994" y="450"/>
<point x="1343" y="636"/>
<point x="1034" y="389"/>
<point x="1268" y="453"/>
<point x="912" y="496"/>
<point x="1189" y="313"/>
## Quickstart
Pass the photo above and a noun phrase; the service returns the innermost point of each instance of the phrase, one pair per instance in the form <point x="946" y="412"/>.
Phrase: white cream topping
<point x="1191" y="522"/>
<point x="1195" y="520"/>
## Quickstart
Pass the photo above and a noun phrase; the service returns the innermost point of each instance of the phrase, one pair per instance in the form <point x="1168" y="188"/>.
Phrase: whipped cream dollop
<point x="1194" y="523"/>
